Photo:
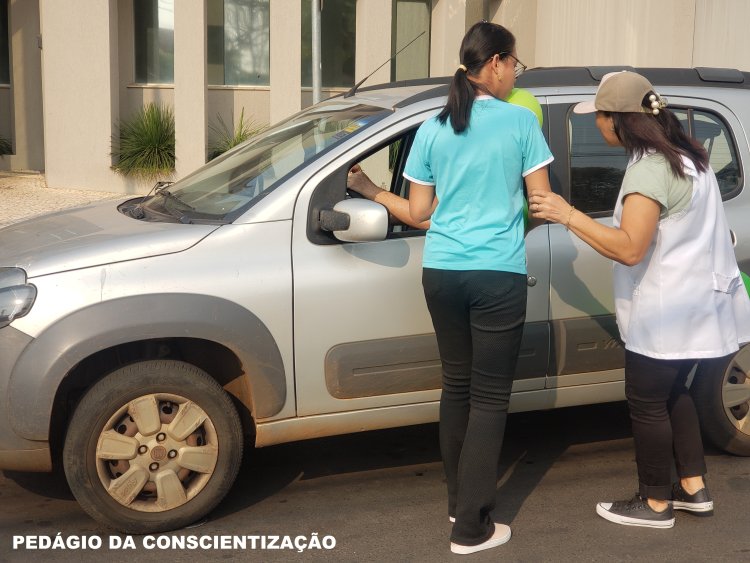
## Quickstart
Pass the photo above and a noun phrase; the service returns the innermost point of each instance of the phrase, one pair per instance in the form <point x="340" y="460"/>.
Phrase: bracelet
<point x="567" y="223"/>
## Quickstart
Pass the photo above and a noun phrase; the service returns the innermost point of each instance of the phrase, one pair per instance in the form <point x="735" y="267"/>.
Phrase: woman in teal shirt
<point x="467" y="167"/>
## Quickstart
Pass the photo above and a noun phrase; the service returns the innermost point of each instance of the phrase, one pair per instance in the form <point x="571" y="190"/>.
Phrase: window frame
<point x="224" y="84"/>
<point x="395" y="47"/>
<point x="303" y="28"/>
<point x="399" y="185"/>
<point x="137" y="43"/>
<point x="6" y="63"/>
<point x="725" y="196"/>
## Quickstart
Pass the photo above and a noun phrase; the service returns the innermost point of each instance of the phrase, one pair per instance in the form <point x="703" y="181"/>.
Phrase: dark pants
<point x="665" y="423"/>
<point x="478" y="318"/>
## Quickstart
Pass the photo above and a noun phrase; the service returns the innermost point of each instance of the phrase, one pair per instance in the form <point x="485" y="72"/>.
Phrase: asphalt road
<point x="381" y="496"/>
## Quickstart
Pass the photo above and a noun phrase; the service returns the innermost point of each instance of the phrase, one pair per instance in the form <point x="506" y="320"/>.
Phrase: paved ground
<point x="24" y="195"/>
<point x="382" y="496"/>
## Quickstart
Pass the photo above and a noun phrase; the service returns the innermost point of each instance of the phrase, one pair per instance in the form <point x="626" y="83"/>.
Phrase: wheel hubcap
<point x="735" y="390"/>
<point x="156" y="452"/>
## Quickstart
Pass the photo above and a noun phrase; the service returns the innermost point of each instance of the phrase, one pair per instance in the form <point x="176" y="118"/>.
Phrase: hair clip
<point x="657" y="102"/>
<point x="463" y="67"/>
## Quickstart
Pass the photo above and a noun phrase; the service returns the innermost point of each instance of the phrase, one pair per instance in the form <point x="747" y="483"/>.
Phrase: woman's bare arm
<point x="627" y="244"/>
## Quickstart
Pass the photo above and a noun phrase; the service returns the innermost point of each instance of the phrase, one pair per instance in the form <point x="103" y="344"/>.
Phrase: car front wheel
<point x="152" y="446"/>
<point x="721" y="391"/>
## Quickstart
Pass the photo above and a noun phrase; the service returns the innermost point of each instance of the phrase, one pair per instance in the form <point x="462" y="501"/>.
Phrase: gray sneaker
<point x="700" y="503"/>
<point x="635" y="512"/>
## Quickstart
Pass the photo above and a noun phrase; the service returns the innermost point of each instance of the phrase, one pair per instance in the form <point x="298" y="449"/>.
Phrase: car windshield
<point x="232" y="183"/>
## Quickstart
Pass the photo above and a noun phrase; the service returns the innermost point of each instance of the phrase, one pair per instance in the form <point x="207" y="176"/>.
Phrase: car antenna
<point x="358" y="84"/>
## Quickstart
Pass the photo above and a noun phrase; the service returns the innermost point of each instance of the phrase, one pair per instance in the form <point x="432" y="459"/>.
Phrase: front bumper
<point x="16" y="453"/>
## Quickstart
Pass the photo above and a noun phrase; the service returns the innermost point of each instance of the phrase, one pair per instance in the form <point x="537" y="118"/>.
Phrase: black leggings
<point x="665" y="423"/>
<point x="478" y="317"/>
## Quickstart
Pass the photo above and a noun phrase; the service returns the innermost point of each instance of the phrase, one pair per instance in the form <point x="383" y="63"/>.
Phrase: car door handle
<point x="733" y="237"/>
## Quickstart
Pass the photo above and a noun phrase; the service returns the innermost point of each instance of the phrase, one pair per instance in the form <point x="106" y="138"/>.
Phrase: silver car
<point x="145" y="342"/>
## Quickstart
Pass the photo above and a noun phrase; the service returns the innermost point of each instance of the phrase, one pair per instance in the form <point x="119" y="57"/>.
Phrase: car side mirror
<point x="356" y="220"/>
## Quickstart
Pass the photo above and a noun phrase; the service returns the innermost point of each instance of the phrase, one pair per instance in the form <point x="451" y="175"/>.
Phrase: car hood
<point x="90" y="236"/>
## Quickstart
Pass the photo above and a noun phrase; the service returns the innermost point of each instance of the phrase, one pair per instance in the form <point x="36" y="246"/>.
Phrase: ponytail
<point x="460" y="99"/>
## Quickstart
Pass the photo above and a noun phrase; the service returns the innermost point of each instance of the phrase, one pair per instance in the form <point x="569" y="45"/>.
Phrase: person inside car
<point x="678" y="290"/>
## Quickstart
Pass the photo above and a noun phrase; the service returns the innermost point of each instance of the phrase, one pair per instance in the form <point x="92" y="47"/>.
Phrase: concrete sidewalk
<point x="23" y="195"/>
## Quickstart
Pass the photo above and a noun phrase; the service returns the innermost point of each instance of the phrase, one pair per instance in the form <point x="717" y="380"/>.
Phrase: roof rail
<point x="720" y="74"/>
<point x="577" y="76"/>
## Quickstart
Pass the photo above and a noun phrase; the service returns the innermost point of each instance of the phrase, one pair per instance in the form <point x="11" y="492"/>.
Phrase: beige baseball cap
<point x="618" y="92"/>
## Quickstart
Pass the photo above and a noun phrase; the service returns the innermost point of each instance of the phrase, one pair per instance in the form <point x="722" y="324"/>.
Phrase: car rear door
<point x="586" y="346"/>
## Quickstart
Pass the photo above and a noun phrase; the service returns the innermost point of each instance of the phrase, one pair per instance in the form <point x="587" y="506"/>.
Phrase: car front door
<point x="363" y="335"/>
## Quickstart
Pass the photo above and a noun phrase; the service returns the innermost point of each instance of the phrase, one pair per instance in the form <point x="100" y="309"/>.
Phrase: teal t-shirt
<point x="478" y="179"/>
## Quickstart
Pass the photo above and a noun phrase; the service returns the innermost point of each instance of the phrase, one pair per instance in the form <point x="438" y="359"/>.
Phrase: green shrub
<point x="144" y="145"/>
<point x="225" y="137"/>
<point x="5" y="146"/>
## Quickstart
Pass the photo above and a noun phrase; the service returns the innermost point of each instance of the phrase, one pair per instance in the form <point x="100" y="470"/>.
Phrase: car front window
<point x="235" y="181"/>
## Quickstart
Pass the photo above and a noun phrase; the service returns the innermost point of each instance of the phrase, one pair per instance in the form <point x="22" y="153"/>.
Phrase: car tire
<point x="153" y="446"/>
<point x="721" y="392"/>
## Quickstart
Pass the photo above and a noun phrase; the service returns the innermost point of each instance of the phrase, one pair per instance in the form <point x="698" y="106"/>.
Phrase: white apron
<point x="686" y="298"/>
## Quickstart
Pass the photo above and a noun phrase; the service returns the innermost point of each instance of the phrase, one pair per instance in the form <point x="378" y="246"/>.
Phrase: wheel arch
<point x="78" y="350"/>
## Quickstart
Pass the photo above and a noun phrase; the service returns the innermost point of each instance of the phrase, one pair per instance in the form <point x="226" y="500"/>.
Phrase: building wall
<point x="64" y="123"/>
<point x="285" y="49"/>
<point x="80" y="92"/>
<point x="448" y="27"/>
<point x="721" y="37"/>
<point x="612" y="32"/>
<point x="650" y="33"/>
<point x="191" y="85"/>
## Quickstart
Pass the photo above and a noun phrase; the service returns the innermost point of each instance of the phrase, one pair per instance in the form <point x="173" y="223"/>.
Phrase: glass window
<point x="338" y="37"/>
<point x="233" y="182"/>
<point x="711" y="132"/>
<point x="4" y="45"/>
<point x="596" y="169"/>
<point x="154" y="41"/>
<point x="385" y="169"/>
<point x="238" y="42"/>
<point x="410" y="18"/>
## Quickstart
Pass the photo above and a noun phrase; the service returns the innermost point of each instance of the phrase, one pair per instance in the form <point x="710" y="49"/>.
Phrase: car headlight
<point x="16" y="295"/>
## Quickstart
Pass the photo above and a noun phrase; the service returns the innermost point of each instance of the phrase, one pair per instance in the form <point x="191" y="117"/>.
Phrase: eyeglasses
<point x="520" y="68"/>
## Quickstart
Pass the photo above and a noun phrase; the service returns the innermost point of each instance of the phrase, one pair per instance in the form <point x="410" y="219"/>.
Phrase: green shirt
<point x="652" y="177"/>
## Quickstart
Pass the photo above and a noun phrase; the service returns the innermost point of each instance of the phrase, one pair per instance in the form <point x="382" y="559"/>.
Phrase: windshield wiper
<point x="181" y="216"/>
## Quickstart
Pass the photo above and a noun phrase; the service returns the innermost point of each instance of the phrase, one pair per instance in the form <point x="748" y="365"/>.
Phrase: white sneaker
<point x="501" y="536"/>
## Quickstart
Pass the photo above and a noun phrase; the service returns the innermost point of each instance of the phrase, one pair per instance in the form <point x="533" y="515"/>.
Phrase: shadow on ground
<point x="533" y="442"/>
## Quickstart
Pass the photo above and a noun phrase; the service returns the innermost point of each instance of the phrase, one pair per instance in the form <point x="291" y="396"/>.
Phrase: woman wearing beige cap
<point x="678" y="290"/>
